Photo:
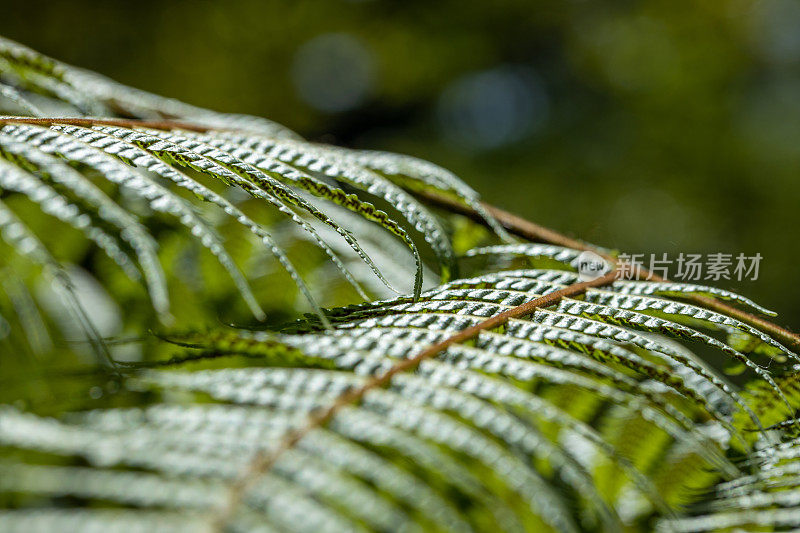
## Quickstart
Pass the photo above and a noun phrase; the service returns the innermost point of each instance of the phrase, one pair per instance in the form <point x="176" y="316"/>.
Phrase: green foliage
<point x="133" y="241"/>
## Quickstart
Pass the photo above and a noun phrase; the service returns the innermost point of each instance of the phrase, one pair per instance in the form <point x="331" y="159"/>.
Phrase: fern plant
<point x="450" y="373"/>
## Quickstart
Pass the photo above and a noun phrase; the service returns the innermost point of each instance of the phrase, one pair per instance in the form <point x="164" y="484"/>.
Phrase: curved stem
<point x="534" y="232"/>
<point x="119" y="122"/>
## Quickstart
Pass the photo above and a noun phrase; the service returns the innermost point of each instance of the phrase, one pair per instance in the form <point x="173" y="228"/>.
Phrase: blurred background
<point x="649" y="127"/>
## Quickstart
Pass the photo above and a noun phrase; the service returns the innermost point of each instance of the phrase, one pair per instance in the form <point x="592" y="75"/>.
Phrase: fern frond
<point x="22" y="240"/>
<point x="314" y="158"/>
<point x="513" y="400"/>
<point x="767" y="499"/>
<point x="25" y="106"/>
<point x="457" y="402"/>
<point x="417" y="174"/>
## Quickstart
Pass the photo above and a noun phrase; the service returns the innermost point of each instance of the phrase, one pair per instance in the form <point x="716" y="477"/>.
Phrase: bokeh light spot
<point x="333" y="72"/>
<point x="492" y="108"/>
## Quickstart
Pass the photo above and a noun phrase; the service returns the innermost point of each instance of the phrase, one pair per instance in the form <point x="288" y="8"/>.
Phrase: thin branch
<point x="534" y="232"/>
<point x="264" y="461"/>
<point x="119" y="122"/>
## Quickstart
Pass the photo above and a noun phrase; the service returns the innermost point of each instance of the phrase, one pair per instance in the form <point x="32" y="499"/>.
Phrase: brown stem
<point x="120" y="122"/>
<point x="524" y="228"/>
<point x="264" y="461"/>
